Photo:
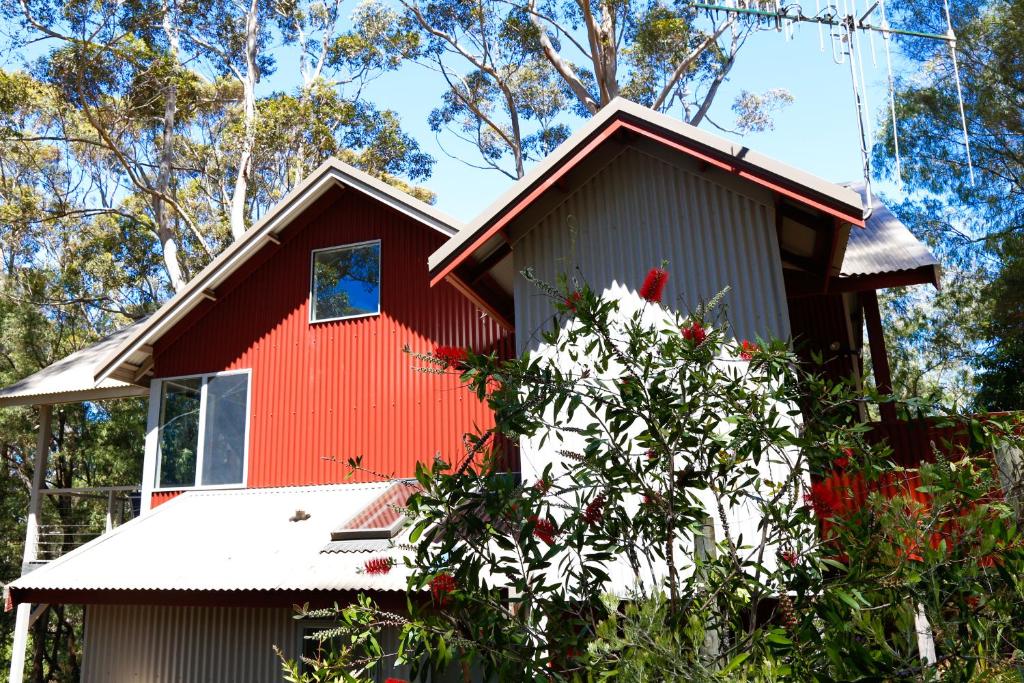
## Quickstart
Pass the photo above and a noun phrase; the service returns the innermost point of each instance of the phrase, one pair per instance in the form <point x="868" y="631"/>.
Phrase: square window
<point x="203" y="430"/>
<point x="345" y="282"/>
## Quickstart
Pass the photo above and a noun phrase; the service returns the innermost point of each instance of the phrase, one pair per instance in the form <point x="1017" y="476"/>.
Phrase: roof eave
<point x="331" y="173"/>
<point x="622" y="115"/>
<point x="97" y="394"/>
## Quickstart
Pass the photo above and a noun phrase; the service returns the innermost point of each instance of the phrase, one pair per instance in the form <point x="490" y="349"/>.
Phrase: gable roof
<point x="623" y="116"/>
<point x="887" y="247"/>
<point x="223" y="540"/>
<point x="71" y="379"/>
<point x="129" y="358"/>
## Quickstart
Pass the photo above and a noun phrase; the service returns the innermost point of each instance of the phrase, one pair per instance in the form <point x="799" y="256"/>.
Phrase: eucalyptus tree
<point x="513" y="68"/>
<point x="975" y="220"/>
<point x="159" y="105"/>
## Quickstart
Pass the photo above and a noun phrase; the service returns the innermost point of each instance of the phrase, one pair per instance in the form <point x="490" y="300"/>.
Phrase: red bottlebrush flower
<point x="594" y="512"/>
<point x="542" y="485"/>
<point x="843" y="461"/>
<point x="987" y="561"/>
<point x="654" y="285"/>
<point x="694" y="333"/>
<point x="544" y="529"/>
<point x="441" y="586"/>
<point x="378" y="565"/>
<point x="652" y="454"/>
<point x="450" y="355"/>
<point x="573" y="300"/>
<point x="748" y="349"/>
<point x="972" y="601"/>
<point x="395" y="680"/>
<point x="790" y="557"/>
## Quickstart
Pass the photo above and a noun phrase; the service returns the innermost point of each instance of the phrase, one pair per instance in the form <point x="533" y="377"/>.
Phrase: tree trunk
<point x="161" y="211"/>
<point x="249" y="80"/>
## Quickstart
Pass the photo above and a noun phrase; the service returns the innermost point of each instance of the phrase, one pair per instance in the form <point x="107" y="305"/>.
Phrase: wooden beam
<point x="879" y="355"/>
<point x="209" y="294"/>
<point x="501" y="311"/>
<point x="799" y="284"/>
<point x="473" y="274"/>
<point x="144" y="369"/>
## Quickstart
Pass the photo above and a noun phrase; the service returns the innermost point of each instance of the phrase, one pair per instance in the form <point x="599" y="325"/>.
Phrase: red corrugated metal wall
<point x="327" y="392"/>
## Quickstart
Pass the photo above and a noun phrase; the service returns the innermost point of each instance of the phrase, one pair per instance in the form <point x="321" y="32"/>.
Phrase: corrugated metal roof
<point x="227" y="540"/>
<point x="73" y="377"/>
<point x="740" y="156"/>
<point x="885" y="245"/>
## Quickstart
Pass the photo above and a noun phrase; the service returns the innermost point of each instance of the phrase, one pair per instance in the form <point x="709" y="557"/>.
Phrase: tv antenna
<point x="845" y="30"/>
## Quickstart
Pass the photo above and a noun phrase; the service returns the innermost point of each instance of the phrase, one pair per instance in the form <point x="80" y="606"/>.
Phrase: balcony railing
<point x="70" y="518"/>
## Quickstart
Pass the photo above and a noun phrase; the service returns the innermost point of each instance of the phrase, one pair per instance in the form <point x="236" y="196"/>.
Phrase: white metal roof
<point x="73" y="377"/>
<point x="229" y="540"/>
<point x="885" y="245"/>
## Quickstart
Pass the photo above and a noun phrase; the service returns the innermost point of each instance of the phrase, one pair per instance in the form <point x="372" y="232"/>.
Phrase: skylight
<point x="383" y="518"/>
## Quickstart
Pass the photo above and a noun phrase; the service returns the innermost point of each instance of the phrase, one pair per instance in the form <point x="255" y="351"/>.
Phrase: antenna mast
<point x="845" y="29"/>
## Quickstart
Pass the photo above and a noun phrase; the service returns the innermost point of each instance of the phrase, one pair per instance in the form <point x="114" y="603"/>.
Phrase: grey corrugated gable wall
<point x="640" y="209"/>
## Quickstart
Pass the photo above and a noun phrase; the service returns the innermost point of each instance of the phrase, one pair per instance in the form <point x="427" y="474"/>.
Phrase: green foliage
<point x="676" y="536"/>
<point x="973" y="226"/>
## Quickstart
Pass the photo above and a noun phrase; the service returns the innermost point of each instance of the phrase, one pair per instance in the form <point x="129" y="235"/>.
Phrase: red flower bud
<point x="595" y="511"/>
<point x="378" y="565"/>
<point x="790" y="557"/>
<point x="694" y="333"/>
<point x="748" y="349"/>
<point x="441" y="586"/>
<point x="654" y="285"/>
<point x="544" y="529"/>
<point x="450" y="355"/>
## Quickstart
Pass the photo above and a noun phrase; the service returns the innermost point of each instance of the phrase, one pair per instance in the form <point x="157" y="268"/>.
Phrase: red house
<point x="283" y="360"/>
<point x="279" y="363"/>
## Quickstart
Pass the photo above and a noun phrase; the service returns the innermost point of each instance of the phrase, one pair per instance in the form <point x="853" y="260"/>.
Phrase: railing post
<point x="110" y="511"/>
<point x="31" y="540"/>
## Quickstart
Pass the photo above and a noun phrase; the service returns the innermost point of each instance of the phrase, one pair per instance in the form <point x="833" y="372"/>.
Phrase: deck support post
<point x="31" y="554"/>
<point x="879" y="354"/>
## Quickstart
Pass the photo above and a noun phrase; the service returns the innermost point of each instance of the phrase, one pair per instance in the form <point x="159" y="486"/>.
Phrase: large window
<point x="345" y="282"/>
<point x="203" y="429"/>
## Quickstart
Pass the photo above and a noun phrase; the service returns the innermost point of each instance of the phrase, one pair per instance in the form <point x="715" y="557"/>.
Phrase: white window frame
<point x="312" y="276"/>
<point x="153" y="455"/>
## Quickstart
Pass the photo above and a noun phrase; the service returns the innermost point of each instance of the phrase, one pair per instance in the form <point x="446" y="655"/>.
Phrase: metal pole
<point x="861" y="116"/>
<point x="31" y="553"/>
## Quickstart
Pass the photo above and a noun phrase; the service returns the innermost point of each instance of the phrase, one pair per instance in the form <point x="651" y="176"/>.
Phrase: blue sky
<point x="817" y="133"/>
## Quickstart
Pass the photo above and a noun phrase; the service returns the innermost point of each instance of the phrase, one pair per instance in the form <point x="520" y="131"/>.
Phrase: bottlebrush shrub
<point x="669" y="590"/>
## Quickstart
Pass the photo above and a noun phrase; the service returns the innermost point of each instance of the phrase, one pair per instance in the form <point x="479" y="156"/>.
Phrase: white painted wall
<point x="715" y="231"/>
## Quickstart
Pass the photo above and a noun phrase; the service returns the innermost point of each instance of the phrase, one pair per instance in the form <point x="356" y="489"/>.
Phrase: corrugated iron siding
<point x="147" y="644"/>
<point x="640" y="210"/>
<point x="142" y="643"/>
<point x="323" y="393"/>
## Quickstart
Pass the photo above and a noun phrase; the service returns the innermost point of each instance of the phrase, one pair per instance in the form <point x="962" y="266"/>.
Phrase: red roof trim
<point x="521" y="205"/>
<point x="613" y="128"/>
<point x="747" y="175"/>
